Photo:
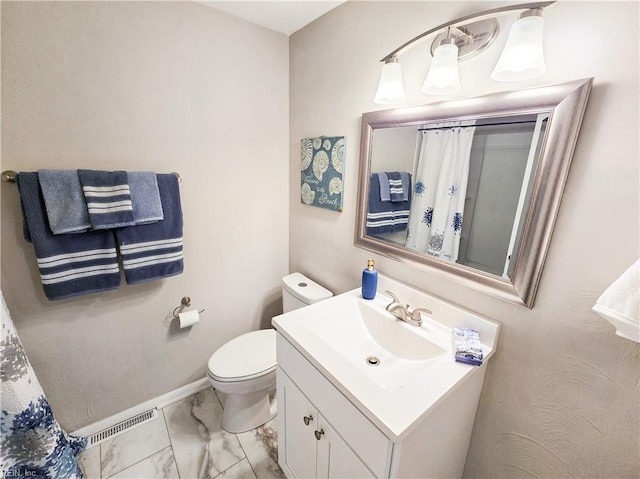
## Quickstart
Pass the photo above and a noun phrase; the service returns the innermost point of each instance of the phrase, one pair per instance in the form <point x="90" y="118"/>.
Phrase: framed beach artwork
<point x="322" y="167"/>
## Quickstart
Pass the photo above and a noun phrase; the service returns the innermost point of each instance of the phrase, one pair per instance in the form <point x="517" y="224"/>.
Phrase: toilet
<point x="245" y="367"/>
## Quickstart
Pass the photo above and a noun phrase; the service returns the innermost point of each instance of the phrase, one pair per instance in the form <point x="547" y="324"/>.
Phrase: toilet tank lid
<point x="305" y="289"/>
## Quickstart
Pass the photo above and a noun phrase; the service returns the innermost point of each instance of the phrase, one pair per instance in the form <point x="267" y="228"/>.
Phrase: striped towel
<point x="379" y="213"/>
<point x="108" y="198"/>
<point x="385" y="217"/>
<point x="70" y="265"/>
<point x="399" y="185"/>
<point x="153" y="251"/>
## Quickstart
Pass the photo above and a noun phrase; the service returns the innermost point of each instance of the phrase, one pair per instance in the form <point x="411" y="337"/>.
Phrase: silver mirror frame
<point x="566" y="104"/>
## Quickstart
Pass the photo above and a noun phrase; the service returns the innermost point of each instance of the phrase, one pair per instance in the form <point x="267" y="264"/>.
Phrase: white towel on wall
<point x="619" y="304"/>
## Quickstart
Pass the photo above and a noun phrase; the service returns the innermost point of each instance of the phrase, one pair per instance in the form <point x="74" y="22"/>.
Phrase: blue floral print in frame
<point x="321" y="171"/>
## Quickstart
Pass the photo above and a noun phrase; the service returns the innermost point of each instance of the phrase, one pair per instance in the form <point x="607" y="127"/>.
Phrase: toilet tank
<point x="299" y="291"/>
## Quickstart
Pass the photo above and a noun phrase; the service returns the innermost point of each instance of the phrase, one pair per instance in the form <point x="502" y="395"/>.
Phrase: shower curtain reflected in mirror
<point x="440" y="186"/>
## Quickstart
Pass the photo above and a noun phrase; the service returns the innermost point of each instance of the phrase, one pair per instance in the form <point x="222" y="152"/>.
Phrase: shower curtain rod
<point x="478" y="126"/>
<point x="9" y="176"/>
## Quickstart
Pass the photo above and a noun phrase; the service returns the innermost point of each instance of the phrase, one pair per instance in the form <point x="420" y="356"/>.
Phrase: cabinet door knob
<point x="319" y="434"/>
<point x="307" y="419"/>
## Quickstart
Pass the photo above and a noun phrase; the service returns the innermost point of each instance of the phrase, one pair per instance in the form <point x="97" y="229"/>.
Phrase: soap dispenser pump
<point x="369" y="281"/>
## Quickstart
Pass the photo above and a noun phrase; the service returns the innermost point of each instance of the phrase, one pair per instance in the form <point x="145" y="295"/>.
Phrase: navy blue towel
<point x="385" y="216"/>
<point x="70" y="265"/>
<point x="380" y="213"/>
<point x="108" y="198"/>
<point x="153" y="251"/>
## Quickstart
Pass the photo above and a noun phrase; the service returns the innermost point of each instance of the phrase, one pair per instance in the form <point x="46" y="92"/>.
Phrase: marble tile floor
<point x="186" y="441"/>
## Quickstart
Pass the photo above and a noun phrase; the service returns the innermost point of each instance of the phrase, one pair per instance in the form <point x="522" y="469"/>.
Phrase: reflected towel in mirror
<point x="385" y="216"/>
<point x="399" y="185"/>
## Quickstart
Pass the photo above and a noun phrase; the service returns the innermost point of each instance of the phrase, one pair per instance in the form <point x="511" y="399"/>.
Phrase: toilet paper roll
<point x="189" y="318"/>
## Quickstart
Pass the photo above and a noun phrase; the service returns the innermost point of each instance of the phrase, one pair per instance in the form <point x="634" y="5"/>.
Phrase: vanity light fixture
<point x="390" y="88"/>
<point x="522" y="57"/>
<point x="443" y="77"/>
<point x="464" y="38"/>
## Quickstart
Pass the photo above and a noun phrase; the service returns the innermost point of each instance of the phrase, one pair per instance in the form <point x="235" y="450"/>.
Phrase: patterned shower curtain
<point x="32" y="443"/>
<point x="435" y="219"/>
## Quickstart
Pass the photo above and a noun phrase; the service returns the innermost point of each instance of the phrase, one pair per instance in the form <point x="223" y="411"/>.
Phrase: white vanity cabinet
<point x="326" y="436"/>
<point x="310" y="447"/>
<point x="407" y="415"/>
<point x="352" y="446"/>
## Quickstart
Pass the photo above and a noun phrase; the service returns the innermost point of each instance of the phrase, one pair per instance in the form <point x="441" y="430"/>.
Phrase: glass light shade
<point x="390" y="88"/>
<point x="522" y="57"/>
<point x="443" y="76"/>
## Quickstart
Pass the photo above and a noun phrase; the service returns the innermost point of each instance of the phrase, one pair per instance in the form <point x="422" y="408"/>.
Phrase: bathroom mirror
<point x="470" y="187"/>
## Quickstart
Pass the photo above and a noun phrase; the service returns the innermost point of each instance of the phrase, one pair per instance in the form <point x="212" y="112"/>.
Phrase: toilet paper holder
<point x="184" y="303"/>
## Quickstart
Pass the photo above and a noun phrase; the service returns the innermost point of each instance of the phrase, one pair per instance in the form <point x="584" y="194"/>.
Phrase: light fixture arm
<point x="458" y="22"/>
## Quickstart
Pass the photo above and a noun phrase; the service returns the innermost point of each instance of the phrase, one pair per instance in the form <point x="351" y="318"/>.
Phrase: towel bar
<point x="10" y="176"/>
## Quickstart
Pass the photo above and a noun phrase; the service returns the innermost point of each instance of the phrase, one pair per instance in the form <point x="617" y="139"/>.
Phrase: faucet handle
<point x="415" y="314"/>
<point x="393" y="296"/>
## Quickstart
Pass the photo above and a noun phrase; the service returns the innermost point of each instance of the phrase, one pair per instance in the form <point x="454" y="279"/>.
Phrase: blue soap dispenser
<point x="369" y="281"/>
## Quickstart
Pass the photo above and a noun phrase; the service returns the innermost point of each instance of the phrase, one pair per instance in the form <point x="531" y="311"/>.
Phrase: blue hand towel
<point x="406" y="185"/>
<point x="154" y="251"/>
<point x="145" y="197"/>
<point x="70" y="265"/>
<point x="108" y="198"/>
<point x="385" y="194"/>
<point x="401" y="209"/>
<point x="64" y="201"/>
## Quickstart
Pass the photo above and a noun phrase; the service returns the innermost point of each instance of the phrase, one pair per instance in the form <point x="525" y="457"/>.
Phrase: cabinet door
<point x="336" y="460"/>
<point x="298" y="453"/>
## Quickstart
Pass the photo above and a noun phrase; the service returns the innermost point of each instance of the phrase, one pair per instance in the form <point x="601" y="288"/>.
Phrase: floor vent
<point x="122" y="427"/>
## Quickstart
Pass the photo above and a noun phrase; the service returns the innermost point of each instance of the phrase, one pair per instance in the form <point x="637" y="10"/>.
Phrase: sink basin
<point x="390" y="352"/>
<point x="400" y="340"/>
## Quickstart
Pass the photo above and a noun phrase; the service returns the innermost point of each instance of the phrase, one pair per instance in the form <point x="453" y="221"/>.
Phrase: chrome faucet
<point x="401" y="311"/>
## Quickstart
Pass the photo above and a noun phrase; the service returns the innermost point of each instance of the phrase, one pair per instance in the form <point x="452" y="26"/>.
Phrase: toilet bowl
<point x="245" y="367"/>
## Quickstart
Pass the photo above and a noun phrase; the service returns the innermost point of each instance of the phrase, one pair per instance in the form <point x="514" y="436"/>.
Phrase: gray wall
<point x="561" y="394"/>
<point x="161" y="86"/>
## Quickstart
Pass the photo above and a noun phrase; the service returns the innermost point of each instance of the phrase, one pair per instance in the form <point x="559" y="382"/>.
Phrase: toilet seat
<point x="248" y="356"/>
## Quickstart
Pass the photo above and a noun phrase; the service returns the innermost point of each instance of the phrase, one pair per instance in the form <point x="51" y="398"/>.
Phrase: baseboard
<point x="159" y="402"/>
